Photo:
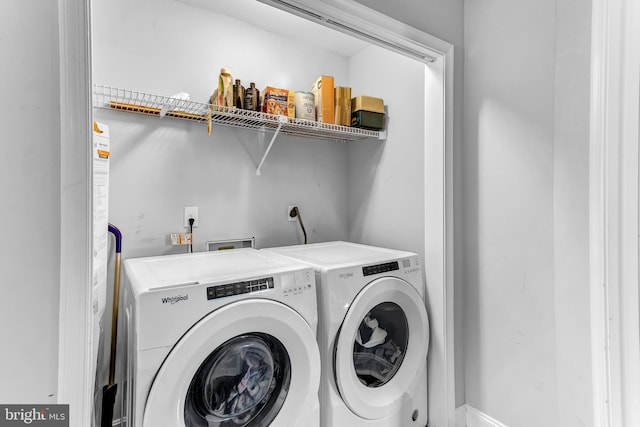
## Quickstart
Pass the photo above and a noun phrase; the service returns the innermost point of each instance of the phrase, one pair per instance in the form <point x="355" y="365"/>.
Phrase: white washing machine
<point x="220" y="339"/>
<point x="373" y="334"/>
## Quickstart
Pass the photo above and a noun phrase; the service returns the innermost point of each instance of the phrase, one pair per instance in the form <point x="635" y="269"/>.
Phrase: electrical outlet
<point x="190" y="212"/>
<point x="289" y="217"/>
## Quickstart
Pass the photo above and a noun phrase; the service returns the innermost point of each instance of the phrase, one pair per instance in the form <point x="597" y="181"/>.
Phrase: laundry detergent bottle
<point x="225" y="88"/>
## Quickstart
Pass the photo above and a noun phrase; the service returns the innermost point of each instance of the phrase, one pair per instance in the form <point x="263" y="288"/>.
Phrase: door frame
<point x="76" y="366"/>
<point x="614" y="215"/>
<point x="76" y="308"/>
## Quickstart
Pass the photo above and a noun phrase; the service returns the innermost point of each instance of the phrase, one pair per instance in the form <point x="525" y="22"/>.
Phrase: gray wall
<point x="30" y="191"/>
<point x="526" y="211"/>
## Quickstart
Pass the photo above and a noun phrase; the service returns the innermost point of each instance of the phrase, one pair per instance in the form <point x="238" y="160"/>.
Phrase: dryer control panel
<point x="238" y="288"/>
<point x="380" y="268"/>
<point x="404" y="265"/>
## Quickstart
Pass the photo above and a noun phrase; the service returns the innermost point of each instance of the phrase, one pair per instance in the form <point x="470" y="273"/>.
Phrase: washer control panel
<point x="238" y="288"/>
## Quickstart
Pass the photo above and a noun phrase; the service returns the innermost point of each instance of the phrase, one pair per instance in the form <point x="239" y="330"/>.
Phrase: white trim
<point x="614" y="215"/>
<point x="461" y="416"/>
<point x="476" y="418"/>
<point x="365" y="23"/>
<point x="439" y="231"/>
<point x="76" y="369"/>
<point x="468" y="416"/>
<point x="599" y="356"/>
<point x="450" y="390"/>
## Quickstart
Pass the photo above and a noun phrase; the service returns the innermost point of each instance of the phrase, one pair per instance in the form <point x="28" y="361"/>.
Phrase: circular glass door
<point x="381" y="345"/>
<point x="248" y="364"/>
<point x="244" y="382"/>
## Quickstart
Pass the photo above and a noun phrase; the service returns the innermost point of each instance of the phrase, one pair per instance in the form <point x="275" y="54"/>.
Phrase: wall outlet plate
<point x="289" y="217"/>
<point x="190" y="212"/>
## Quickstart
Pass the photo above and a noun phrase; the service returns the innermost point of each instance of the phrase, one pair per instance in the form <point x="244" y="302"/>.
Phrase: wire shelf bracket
<point x="282" y="120"/>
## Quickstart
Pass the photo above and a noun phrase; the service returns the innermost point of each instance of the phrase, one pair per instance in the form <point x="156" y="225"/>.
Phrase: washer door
<point x="251" y="363"/>
<point x="381" y="344"/>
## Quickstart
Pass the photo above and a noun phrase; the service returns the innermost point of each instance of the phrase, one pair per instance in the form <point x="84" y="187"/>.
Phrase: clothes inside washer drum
<point x="376" y="357"/>
<point x="245" y="392"/>
<point x="241" y="383"/>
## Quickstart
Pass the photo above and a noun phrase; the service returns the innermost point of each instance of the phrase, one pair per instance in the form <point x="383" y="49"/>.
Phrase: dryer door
<point x="251" y="363"/>
<point x="382" y="343"/>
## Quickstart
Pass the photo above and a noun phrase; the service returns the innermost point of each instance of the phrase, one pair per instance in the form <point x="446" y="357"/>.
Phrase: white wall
<point x="510" y="320"/>
<point x="525" y="187"/>
<point x="160" y="166"/>
<point x="571" y="219"/>
<point x="386" y="180"/>
<point x="30" y="191"/>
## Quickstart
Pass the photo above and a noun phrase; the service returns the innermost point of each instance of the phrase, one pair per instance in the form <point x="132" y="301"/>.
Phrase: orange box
<point x="323" y="90"/>
<point x="279" y="101"/>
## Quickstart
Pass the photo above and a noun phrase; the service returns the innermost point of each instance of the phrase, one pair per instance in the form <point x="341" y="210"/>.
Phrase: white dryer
<point x="373" y="334"/>
<point x="220" y="339"/>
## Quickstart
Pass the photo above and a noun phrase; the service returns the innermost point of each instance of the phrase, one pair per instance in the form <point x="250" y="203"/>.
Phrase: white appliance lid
<point x="331" y="254"/>
<point x="169" y="270"/>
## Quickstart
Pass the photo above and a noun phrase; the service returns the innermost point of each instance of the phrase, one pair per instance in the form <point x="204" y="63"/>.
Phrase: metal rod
<point x="273" y="139"/>
<point x="114" y="319"/>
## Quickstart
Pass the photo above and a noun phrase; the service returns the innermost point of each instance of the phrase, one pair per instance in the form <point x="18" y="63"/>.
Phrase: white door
<point x="251" y="363"/>
<point x="382" y="343"/>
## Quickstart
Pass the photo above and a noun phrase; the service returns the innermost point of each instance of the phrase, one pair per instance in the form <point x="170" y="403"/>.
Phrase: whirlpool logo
<point x="42" y="416"/>
<point x="175" y="299"/>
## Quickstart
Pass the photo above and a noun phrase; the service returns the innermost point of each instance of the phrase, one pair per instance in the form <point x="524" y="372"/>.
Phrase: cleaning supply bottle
<point x="225" y="88"/>
<point x="238" y="95"/>
<point x="252" y="98"/>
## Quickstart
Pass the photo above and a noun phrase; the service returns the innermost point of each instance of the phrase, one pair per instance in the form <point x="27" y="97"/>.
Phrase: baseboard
<point x="468" y="416"/>
<point x="461" y="416"/>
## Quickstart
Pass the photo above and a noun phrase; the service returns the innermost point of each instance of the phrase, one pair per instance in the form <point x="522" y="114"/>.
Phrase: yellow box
<point x="323" y="91"/>
<point x="343" y="106"/>
<point x="279" y="101"/>
<point x="367" y="103"/>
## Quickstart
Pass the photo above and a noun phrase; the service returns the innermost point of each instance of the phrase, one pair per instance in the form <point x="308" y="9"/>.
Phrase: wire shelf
<point x="163" y="106"/>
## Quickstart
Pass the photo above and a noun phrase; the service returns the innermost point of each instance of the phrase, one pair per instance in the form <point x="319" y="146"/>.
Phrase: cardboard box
<point x="343" y="106"/>
<point x="367" y="103"/>
<point x="279" y="101"/>
<point x="323" y="91"/>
